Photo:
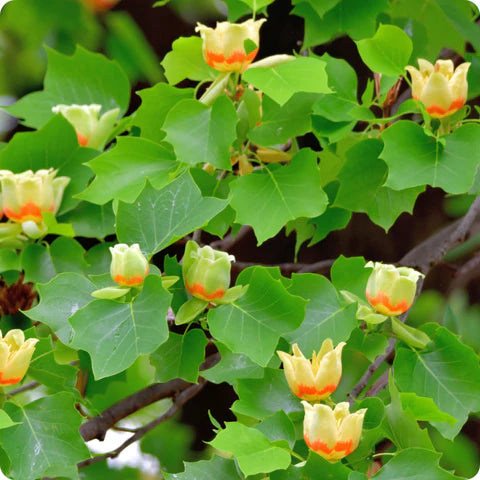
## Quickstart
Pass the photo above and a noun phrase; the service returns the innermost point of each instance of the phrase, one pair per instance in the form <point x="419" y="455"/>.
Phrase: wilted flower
<point x="440" y="87"/>
<point x="314" y="379"/>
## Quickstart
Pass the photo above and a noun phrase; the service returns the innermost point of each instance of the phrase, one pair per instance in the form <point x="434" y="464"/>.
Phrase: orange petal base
<point x="382" y="300"/>
<point x="217" y="60"/>
<point x="9" y="381"/>
<point x="304" y="390"/>
<point x="82" y="141"/>
<point x="319" y="446"/>
<point x="436" y="110"/>
<point x="29" y="211"/>
<point x="198" y="290"/>
<point x="132" y="281"/>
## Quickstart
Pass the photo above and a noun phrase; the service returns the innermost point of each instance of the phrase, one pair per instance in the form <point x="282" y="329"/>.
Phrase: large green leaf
<point x="304" y="74"/>
<point x="185" y="60"/>
<point x="46" y="442"/>
<point x="115" y="334"/>
<point x="156" y="103"/>
<point x="251" y="448"/>
<point x="350" y="274"/>
<point x="254" y="323"/>
<point x="59" y="300"/>
<point x="361" y="186"/>
<point x="121" y="173"/>
<point x="326" y="316"/>
<point x="268" y="199"/>
<point x="217" y="467"/>
<point x="387" y="52"/>
<point x="414" y="464"/>
<point x="83" y="78"/>
<point x="56" y="146"/>
<point x="202" y="134"/>
<point x="160" y="217"/>
<point x="180" y="356"/>
<point x="415" y="159"/>
<point x="320" y="7"/>
<point x="278" y="428"/>
<point x="447" y="371"/>
<point x="262" y="397"/>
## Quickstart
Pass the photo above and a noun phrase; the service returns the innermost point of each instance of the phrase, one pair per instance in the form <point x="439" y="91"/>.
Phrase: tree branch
<point x="179" y="401"/>
<point x="291" y="267"/>
<point x="97" y="426"/>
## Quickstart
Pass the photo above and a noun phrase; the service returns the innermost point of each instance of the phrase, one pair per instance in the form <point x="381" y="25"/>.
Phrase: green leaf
<point x="358" y="20"/>
<point x="414" y="158"/>
<point x="217" y="467"/>
<point x="413" y="337"/>
<point x="6" y="421"/>
<point x="41" y="263"/>
<point x="156" y="103"/>
<point x="185" y="60"/>
<point x="320" y="7"/>
<point x="115" y="334"/>
<point x="304" y="74"/>
<point x="280" y="123"/>
<point x="251" y="448"/>
<point x="326" y="316"/>
<point x="59" y="300"/>
<point x="424" y="409"/>
<point x="46" y="440"/>
<point x="90" y="220"/>
<point x="278" y="428"/>
<point x="256" y="5"/>
<point x="180" y="356"/>
<point x="232" y="367"/>
<point x="47" y="371"/>
<point x="387" y="52"/>
<point x="160" y="217"/>
<point x="447" y="371"/>
<point x="414" y="464"/>
<point x="121" y="173"/>
<point x="350" y="274"/>
<point x="9" y="260"/>
<point x="360" y="192"/>
<point x="83" y="78"/>
<point x="316" y="468"/>
<point x="56" y="146"/>
<point x="263" y="397"/>
<point x="268" y="199"/>
<point x="202" y="134"/>
<point x="254" y="323"/>
<point x="333" y="219"/>
<point x="375" y="412"/>
<point x="371" y="344"/>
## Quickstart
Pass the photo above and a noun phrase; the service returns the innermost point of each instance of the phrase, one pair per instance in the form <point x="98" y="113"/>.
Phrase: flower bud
<point x="26" y="195"/>
<point x="391" y="290"/>
<point x="440" y="87"/>
<point x="91" y="131"/>
<point x="15" y="356"/>
<point x="314" y="379"/>
<point x="206" y="272"/>
<point x="129" y="267"/>
<point x="224" y="46"/>
<point x="333" y="434"/>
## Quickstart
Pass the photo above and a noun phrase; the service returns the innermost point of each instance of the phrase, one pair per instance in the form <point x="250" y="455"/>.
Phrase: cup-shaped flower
<point x="440" y="87"/>
<point x="91" y="130"/>
<point x="15" y="356"/>
<point x="26" y="195"/>
<point x="206" y="272"/>
<point x="224" y="46"/>
<point x="129" y="266"/>
<point x="314" y="379"/>
<point x="333" y="434"/>
<point x="391" y="290"/>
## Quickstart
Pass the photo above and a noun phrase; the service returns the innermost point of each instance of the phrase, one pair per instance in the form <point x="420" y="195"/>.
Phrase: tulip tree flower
<point x="129" y="266"/>
<point x="15" y="356"/>
<point x="26" y="195"/>
<point x="224" y="47"/>
<point x="333" y="434"/>
<point x="391" y="290"/>
<point x="440" y="87"/>
<point x="315" y="379"/>
<point x="91" y="130"/>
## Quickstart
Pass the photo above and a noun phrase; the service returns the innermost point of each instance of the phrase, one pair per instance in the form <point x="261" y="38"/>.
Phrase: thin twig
<point x="291" y="267"/>
<point x="180" y="400"/>
<point x="230" y="240"/>
<point x="23" y="388"/>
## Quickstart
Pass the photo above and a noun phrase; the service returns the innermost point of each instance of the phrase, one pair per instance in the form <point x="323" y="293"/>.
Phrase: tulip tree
<point x="124" y="209"/>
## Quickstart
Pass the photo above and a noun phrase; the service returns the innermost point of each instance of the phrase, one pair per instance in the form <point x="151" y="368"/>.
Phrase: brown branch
<point x="322" y="265"/>
<point x="23" y="388"/>
<point x="179" y="401"/>
<point x="97" y="426"/>
<point x="230" y="240"/>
